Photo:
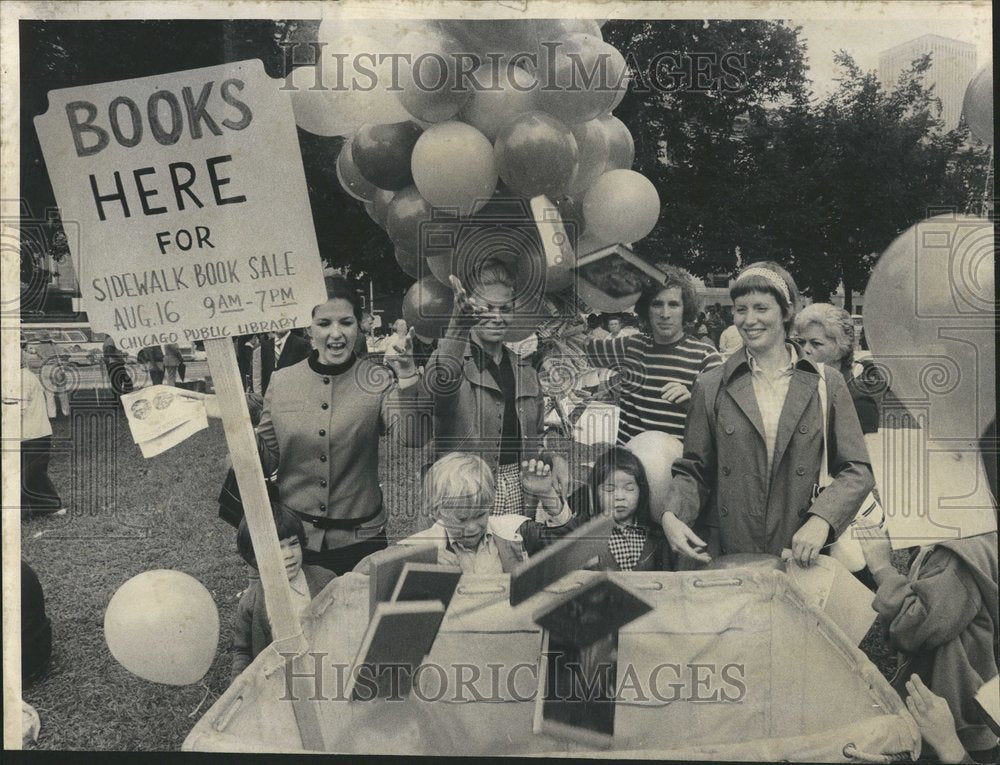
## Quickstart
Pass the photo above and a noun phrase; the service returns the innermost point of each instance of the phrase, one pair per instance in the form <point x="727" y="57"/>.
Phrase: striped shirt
<point x="644" y="367"/>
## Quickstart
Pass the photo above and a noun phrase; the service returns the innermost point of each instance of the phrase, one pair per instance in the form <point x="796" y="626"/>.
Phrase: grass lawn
<point x="129" y="515"/>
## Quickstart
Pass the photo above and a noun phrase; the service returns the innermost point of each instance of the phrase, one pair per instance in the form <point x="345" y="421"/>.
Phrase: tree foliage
<point x="702" y="180"/>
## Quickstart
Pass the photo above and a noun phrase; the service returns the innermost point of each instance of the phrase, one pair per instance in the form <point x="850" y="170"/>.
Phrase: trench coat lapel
<point x="475" y="369"/>
<point x="741" y="391"/>
<point x="801" y="389"/>
<point x="524" y="372"/>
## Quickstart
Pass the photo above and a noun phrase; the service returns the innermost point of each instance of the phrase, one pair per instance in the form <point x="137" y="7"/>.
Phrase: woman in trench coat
<point x="753" y="442"/>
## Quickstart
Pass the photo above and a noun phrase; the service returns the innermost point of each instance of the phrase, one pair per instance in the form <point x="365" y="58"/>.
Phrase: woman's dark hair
<point x="674" y="277"/>
<point x="340" y="287"/>
<point x="747" y="283"/>
<point x="620" y="458"/>
<point x="286" y="522"/>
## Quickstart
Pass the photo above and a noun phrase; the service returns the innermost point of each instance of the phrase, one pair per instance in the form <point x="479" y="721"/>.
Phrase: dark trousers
<point x="119" y="378"/>
<point x="38" y="495"/>
<point x="343" y="559"/>
<point x="156" y="376"/>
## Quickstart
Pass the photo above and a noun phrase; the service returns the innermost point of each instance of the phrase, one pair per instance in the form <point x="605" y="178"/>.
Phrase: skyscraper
<point x="953" y="63"/>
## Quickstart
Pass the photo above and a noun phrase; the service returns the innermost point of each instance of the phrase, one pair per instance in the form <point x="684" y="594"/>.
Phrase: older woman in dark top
<point x="826" y="335"/>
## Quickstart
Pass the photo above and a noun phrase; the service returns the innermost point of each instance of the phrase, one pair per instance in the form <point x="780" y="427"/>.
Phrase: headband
<point x="771" y="278"/>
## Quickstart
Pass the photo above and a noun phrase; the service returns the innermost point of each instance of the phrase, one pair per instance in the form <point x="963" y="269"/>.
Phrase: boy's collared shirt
<point x="485" y="559"/>
<point x="499" y="541"/>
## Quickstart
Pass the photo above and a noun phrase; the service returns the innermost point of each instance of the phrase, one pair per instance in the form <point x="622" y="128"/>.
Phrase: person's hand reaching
<point x="934" y="719"/>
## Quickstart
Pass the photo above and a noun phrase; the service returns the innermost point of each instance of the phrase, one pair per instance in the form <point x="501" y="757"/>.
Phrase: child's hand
<point x="536" y="477"/>
<point x="876" y="547"/>
<point x="934" y="719"/>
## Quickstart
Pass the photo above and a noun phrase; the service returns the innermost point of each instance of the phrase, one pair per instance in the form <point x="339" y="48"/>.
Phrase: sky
<point x="864" y="40"/>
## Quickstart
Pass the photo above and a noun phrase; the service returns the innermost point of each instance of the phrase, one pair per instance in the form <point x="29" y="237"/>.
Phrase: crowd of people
<point x="766" y="406"/>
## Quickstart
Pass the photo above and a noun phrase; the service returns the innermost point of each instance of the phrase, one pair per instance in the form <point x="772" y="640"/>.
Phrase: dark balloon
<point x="351" y="179"/>
<point x="382" y="153"/>
<point x="427" y="307"/>
<point x="621" y="147"/>
<point x="536" y="154"/>
<point x="408" y="211"/>
<point x="408" y="262"/>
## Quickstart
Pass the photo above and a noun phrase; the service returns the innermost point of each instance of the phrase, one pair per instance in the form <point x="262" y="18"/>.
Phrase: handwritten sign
<point x="190" y="196"/>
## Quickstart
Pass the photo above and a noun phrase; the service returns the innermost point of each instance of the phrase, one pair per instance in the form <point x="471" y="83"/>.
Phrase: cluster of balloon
<point x="978" y="104"/>
<point x="462" y="112"/>
<point x="163" y="626"/>
<point x="657" y="452"/>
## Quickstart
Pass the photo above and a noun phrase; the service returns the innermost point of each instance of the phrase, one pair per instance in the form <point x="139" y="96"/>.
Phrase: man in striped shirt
<point x="656" y="371"/>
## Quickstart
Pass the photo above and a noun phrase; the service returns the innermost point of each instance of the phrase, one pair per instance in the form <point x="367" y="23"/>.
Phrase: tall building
<point x="953" y="63"/>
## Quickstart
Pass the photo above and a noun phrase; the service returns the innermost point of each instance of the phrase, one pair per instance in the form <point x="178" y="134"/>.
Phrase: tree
<point x="837" y="181"/>
<point x="748" y="66"/>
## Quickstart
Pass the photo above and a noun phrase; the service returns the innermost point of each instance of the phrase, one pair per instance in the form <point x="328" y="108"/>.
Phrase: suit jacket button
<point x="800" y="470"/>
<point x="322" y="482"/>
<point x="322" y="458"/>
<point x="803" y="428"/>
<point x="730" y="430"/>
<point x="322" y="507"/>
<point x="725" y="471"/>
<point x="322" y="432"/>
<point x="723" y="511"/>
<point x="324" y="406"/>
<point x="326" y="380"/>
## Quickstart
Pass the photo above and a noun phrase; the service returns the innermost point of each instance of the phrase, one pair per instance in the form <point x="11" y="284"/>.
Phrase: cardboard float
<point x="729" y="665"/>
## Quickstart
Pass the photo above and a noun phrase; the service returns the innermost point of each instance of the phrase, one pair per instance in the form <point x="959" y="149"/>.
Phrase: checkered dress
<point x="626" y="543"/>
<point x="509" y="499"/>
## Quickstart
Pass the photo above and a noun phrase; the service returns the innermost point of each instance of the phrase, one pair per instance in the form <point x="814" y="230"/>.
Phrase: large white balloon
<point x="320" y="112"/>
<point x="163" y="626"/>
<point x="977" y="106"/>
<point x="657" y="452"/>
<point x="351" y="54"/>
<point x="929" y="320"/>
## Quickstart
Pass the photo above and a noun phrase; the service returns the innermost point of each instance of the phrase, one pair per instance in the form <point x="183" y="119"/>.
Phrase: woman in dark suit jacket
<point x="754" y="439"/>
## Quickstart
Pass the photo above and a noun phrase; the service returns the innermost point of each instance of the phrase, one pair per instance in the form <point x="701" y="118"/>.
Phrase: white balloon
<point x="350" y="55"/>
<point x="657" y="452"/>
<point x="163" y="626"/>
<point x="321" y="112"/>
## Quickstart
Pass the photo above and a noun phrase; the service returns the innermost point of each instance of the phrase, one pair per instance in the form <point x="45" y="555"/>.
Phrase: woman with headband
<point x="753" y="442"/>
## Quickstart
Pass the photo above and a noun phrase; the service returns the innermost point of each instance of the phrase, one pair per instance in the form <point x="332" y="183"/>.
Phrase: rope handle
<point x="496" y="589"/>
<point x="852" y="752"/>
<point x="734" y="582"/>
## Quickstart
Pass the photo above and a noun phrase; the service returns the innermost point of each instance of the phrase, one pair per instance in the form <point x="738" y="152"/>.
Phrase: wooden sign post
<point x="195" y="224"/>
